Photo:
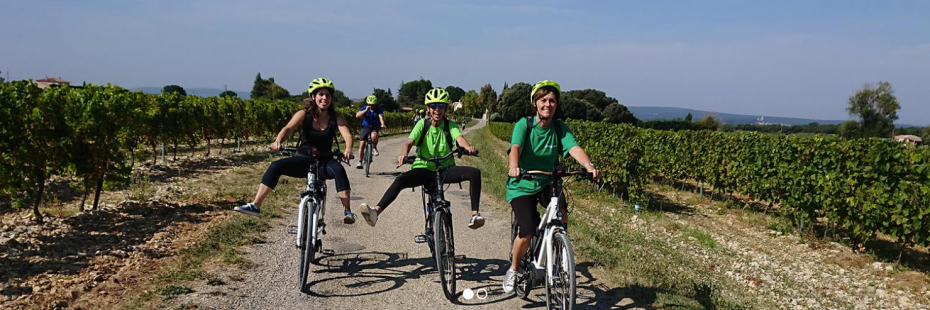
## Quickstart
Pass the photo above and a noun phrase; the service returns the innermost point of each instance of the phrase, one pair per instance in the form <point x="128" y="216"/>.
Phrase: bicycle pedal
<point x="328" y="252"/>
<point x="292" y="230"/>
<point x="460" y="257"/>
<point x="420" y="239"/>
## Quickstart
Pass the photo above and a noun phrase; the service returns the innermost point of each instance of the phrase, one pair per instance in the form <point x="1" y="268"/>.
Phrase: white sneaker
<point x="374" y="151"/>
<point x="370" y="214"/>
<point x="509" y="279"/>
<point x="359" y="166"/>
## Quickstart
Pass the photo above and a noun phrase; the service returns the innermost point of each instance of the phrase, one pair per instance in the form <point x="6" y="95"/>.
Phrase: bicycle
<point x="367" y="158"/>
<point x="310" y="217"/>
<point x="550" y="257"/>
<point x="438" y="217"/>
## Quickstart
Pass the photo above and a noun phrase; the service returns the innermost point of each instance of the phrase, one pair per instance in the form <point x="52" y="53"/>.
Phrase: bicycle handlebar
<point x="458" y="151"/>
<point x="291" y="151"/>
<point x="580" y="174"/>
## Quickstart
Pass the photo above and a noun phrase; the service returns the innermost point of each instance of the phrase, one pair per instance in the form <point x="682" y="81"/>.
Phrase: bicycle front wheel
<point x="560" y="284"/>
<point x="307" y="251"/>
<point x="368" y="149"/>
<point x="444" y="253"/>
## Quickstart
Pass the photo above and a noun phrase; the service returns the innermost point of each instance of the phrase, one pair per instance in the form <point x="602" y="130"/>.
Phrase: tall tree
<point x="688" y="118"/>
<point x="413" y="93"/>
<point x="174" y="89"/>
<point x="258" y="87"/>
<point x="487" y="98"/>
<point x="471" y="104"/>
<point x="385" y="100"/>
<point x="455" y="93"/>
<point x="925" y="135"/>
<point x="877" y="109"/>
<point x="515" y="102"/>
<point x="709" y="122"/>
<point x="228" y="93"/>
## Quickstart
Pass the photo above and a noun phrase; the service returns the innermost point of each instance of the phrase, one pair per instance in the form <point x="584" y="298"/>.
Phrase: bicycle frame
<point x="311" y="196"/>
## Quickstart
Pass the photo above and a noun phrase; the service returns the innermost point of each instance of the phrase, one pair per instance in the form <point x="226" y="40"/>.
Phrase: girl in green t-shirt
<point x="537" y="151"/>
<point x="435" y="143"/>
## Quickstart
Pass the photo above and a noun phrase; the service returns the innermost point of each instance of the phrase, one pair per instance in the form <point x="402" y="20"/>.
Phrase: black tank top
<point x="322" y="140"/>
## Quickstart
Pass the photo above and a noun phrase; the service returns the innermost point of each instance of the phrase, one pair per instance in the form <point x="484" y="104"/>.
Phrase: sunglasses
<point x="436" y="105"/>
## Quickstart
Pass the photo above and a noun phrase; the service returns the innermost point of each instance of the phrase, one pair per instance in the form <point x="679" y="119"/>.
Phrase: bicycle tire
<point x="444" y="253"/>
<point x="560" y="286"/>
<point x="306" y="251"/>
<point x="367" y="159"/>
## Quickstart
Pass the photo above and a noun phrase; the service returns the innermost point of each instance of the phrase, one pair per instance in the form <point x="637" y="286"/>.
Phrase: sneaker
<point x="509" y="279"/>
<point x="370" y="214"/>
<point x="476" y="221"/>
<point x="249" y="209"/>
<point x="374" y="151"/>
<point x="349" y="218"/>
<point x="359" y="166"/>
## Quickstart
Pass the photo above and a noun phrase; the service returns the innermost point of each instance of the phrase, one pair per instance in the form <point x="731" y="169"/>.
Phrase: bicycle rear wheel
<point x="560" y="285"/>
<point x="444" y="253"/>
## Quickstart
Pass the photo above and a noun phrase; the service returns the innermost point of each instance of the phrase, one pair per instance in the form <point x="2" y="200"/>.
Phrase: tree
<point x="412" y="94"/>
<point x="385" y="100"/>
<point x="515" y="102"/>
<point x="174" y="89"/>
<point x="688" y="118"/>
<point x="617" y="113"/>
<point x="925" y="135"/>
<point x="455" y="93"/>
<point x="258" y="88"/>
<point x="471" y="104"/>
<point x="877" y="109"/>
<point x="341" y="100"/>
<point x="849" y="130"/>
<point x="571" y="108"/>
<point x="2" y="80"/>
<point x="228" y="93"/>
<point x="593" y="96"/>
<point x="709" y="122"/>
<point x="487" y="98"/>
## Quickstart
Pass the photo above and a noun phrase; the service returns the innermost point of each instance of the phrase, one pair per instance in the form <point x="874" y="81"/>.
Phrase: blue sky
<point x="776" y="58"/>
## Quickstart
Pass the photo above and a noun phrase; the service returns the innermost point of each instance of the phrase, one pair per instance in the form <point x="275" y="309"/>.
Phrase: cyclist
<point x="536" y="143"/>
<point x="436" y="141"/>
<point x="372" y="116"/>
<point x="318" y="123"/>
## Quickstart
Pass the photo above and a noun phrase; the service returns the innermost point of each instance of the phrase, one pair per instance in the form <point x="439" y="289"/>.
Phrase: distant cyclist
<point x="318" y="123"/>
<point x="535" y="144"/>
<point x="372" y="116"/>
<point x="434" y="136"/>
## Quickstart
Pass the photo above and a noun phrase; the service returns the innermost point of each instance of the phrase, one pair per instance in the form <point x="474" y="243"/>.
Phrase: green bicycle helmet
<point x="318" y="83"/>
<point x="437" y="95"/>
<point x="546" y="83"/>
<point x="371" y="100"/>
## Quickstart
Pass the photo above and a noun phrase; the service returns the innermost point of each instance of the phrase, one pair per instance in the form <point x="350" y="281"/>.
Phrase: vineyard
<point x="95" y="133"/>
<point x="863" y="185"/>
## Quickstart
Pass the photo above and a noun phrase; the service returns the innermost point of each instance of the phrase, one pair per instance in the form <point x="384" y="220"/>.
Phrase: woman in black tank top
<point x="318" y="124"/>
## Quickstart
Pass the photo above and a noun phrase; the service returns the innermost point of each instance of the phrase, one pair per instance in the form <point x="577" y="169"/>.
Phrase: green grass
<point x="699" y="236"/>
<point x="639" y="263"/>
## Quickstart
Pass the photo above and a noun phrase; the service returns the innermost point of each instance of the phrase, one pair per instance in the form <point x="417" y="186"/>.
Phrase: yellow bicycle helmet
<point x="371" y="100"/>
<point x="318" y="83"/>
<point x="437" y="95"/>
<point x="546" y="83"/>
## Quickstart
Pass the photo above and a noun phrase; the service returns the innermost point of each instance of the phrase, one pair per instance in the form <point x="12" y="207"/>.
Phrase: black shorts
<point x="367" y="130"/>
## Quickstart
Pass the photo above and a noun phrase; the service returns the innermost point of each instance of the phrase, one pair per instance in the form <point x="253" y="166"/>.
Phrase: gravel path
<point x="380" y="267"/>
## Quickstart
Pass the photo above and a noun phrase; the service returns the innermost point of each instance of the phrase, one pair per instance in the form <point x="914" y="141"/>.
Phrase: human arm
<point x="291" y="126"/>
<point x="346" y="135"/>
<point x="582" y="158"/>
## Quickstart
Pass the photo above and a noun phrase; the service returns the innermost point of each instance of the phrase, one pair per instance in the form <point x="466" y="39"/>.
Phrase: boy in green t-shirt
<point x="435" y="143"/>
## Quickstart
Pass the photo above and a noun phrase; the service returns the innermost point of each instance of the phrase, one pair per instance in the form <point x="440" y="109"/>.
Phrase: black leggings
<point x="421" y="176"/>
<point x="526" y="213"/>
<point x="297" y="166"/>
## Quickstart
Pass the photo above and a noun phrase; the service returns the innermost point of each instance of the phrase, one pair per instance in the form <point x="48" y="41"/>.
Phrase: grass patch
<point x="171" y="291"/>
<point x="699" y="236"/>
<point x="635" y="262"/>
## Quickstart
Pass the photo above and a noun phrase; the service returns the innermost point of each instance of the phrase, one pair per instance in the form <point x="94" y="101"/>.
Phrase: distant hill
<point x="653" y="113"/>
<point x="202" y="92"/>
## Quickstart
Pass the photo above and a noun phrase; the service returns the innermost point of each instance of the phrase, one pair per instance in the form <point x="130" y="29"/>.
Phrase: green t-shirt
<point x="434" y="145"/>
<point x="538" y="154"/>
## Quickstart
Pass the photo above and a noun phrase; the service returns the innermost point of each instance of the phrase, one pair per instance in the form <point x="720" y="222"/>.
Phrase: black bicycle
<point x="368" y="157"/>
<point x="438" y="228"/>
<point x="550" y="258"/>
<point x="311" y="213"/>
